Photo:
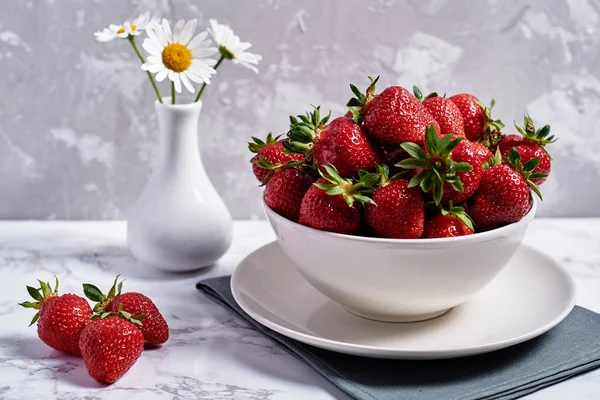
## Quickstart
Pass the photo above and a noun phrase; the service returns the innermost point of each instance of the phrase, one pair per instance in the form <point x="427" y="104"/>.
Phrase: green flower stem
<point x="141" y="57"/>
<point x="172" y="92"/>
<point x="204" y="84"/>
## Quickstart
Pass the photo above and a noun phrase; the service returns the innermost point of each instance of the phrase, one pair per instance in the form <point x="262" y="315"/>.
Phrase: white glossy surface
<point x="393" y="280"/>
<point x="179" y="223"/>
<point x="211" y="354"/>
<point x="529" y="297"/>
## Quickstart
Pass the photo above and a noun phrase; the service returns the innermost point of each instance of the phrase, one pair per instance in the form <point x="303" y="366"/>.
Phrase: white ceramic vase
<point x="179" y="222"/>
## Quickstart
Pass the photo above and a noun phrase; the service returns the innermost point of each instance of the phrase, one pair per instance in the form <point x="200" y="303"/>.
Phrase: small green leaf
<point x="34" y="319"/>
<point x="538" y="175"/>
<point x="33" y="292"/>
<point x="364" y="199"/>
<point x="412" y="163"/>
<point x="417" y="179"/>
<point x="427" y="183"/>
<point x="414" y="150"/>
<point x="431" y="140"/>
<point x="457" y="185"/>
<point x="335" y="190"/>
<point x="535" y="189"/>
<point x="438" y="192"/>
<point x="28" y="304"/>
<point x="417" y="92"/>
<point x="92" y="292"/>
<point x="531" y="164"/>
<point x="139" y="317"/>
<point x="462" y="166"/>
<point x="120" y="287"/>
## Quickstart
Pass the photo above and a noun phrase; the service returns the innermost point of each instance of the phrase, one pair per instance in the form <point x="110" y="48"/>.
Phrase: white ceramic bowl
<point x="398" y="280"/>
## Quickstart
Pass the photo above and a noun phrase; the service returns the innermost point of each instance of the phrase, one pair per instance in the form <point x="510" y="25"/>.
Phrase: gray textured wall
<point x="78" y="130"/>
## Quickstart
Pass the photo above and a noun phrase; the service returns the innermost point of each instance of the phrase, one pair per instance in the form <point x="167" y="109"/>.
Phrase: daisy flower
<point x="177" y="56"/>
<point x="124" y="31"/>
<point x="231" y="47"/>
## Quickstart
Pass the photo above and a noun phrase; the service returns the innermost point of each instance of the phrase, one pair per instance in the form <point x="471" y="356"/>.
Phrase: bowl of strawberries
<point x="406" y="206"/>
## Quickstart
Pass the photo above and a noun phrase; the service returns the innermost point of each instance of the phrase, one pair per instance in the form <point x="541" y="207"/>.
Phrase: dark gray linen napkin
<point x="571" y="348"/>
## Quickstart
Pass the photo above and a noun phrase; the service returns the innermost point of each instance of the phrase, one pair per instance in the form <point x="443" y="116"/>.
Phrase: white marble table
<point x="211" y="354"/>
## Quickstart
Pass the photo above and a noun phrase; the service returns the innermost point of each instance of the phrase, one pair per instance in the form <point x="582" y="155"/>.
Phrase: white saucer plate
<point x="529" y="297"/>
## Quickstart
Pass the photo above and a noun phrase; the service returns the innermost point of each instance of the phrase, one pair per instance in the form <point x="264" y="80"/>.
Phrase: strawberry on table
<point x="445" y="112"/>
<point x="111" y="344"/>
<point x="504" y="194"/>
<point x="285" y="190"/>
<point x="331" y="203"/>
<point x="392" y="117"/>
<point x="450" y="222"/>
<point x="477" y="118"/>
<point x="340" y="142"/>
<point x="397" y="210"/>
<point x="154" y="329"/>
<point x="530" y="143"/>
<point x="60" y="319"/>
<point x="449" y="168"/>
<point x="272" y="151"/>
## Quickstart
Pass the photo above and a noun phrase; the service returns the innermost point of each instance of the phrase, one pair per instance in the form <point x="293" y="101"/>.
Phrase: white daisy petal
<point x="202" y="53"/>
<point x="188" y="31"/>
<point x="176" y="81"/>
<point x="152" y="47"/>
<point x="177" y="30"/>
<point x="114" y="27"/>
<point x="186" y="82"/>
<point x="162" y="74"/>
<point x="198" y="41"/>
<point x="166" y="30"/>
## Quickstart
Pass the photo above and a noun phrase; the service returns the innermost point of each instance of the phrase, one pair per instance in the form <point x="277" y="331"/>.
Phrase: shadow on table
<point x="118" y="260"/>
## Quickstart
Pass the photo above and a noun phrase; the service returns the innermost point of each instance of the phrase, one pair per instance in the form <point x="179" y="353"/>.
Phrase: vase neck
<point x="178" y="143"/>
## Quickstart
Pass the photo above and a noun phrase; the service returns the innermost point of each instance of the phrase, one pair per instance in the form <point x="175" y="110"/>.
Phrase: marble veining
<point x="211" y="354"/>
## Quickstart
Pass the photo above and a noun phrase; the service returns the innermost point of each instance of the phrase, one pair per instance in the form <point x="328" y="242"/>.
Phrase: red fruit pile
<point x="404" y="165"/>
<point x="110" y="337"/>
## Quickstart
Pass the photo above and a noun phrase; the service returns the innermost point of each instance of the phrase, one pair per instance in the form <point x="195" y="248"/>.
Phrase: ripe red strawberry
<point x="154" y="329"/>
<point x="504" y="194"/>
<point x="449" y="223"/>
<point x="530" y="143"/>
<point x="285" y="190"/>
<point x="447" y="168"/>
<point x="476" y="117"/>
<point x="341" y="143"/>
<point x="481" y="151"/>
<point x="271" y="150"/>
<point x="60" y="319"/>
<point x="445" y="112"/>
<point x="466" y="152"/>
<point x="393" y="117"/>
<point x="398" y="211"/>
<point x="110" y="346"/>
<point x="330" y="204"/>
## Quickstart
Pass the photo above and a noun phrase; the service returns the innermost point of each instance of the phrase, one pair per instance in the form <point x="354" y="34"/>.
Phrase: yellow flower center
<point x="121" y="30"/>
<point x="133" y="27"/>
<point x="177" y="57"/>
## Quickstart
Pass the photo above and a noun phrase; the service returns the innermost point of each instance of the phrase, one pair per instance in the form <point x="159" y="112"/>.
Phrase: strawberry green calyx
<point x="541" y="136"/>
<point x="460" y="213"/>
<point x="496" y="159"/>
<point x="492" y="134"/>
<point x="257" y="144"/>
<point x="352" y="190"/>
<point x="301" y="165"/>
<point x="419" y="95"/>
<point x="40" y="295"/>
<point x="514" y="161"/>
<point x="304" y="129"/>
<point x="357" y="104"/>
<point x="102" y="300"/>
<point x="436" y="165"/>
<point x="137" y="320"/>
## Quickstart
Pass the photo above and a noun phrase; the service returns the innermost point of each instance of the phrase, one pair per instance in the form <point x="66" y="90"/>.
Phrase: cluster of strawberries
<point x="110" y="337"/>
<point x="398" y="165"/>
